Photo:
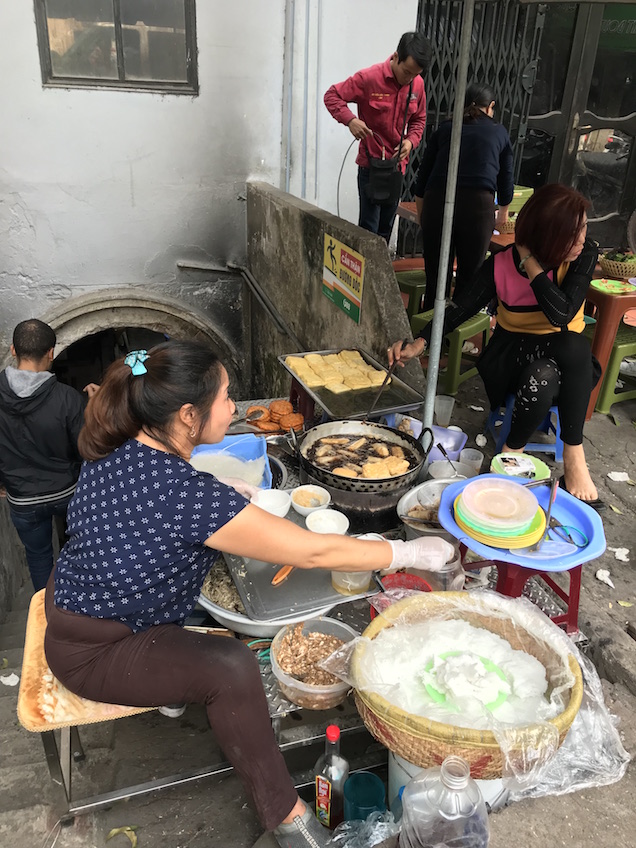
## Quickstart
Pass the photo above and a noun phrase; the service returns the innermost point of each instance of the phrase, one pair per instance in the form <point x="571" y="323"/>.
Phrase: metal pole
<point x="449" y="206"/>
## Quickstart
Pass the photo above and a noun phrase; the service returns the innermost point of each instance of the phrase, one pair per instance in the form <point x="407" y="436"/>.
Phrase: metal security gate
<point x="505" y="48"/>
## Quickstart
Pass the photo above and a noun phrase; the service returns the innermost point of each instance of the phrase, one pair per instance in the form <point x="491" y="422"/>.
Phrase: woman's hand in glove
<point x="246" y="489"/>
<point x="428" y="552"/>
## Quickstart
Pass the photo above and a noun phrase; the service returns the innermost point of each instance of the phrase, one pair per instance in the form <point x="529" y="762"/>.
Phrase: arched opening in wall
<point x="95" y="329"/>
<point x="86" y="360"/>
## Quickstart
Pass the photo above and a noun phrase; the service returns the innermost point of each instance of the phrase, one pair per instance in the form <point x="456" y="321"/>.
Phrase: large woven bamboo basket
<point x="618" y="270"/>
<point x="427" y="743"/>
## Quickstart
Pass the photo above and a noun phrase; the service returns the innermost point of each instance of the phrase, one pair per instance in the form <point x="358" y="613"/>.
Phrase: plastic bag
<point x="592" y="754"/>
<point x="364" y="834"/>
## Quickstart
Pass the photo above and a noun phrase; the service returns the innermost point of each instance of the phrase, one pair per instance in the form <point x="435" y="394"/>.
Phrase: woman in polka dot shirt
<point x="144" y="529"/>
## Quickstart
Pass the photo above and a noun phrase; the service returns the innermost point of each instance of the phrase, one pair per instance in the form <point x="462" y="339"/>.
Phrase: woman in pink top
<point x="537" y="351"/>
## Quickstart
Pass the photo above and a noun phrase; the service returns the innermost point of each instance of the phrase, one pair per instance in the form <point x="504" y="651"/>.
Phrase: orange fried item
<point x="267" y="426"/>
<point x="264" y="416"/>
<point x="280" y="407"/>
<point x="293" y="421"/>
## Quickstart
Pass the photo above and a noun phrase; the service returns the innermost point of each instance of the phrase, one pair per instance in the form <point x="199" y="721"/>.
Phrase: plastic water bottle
<point x="331" y="772"/>
<point x="444" y="805"/>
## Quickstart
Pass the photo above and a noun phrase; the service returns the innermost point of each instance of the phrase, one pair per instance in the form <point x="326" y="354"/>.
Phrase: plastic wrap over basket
<point x="500" y="750"/>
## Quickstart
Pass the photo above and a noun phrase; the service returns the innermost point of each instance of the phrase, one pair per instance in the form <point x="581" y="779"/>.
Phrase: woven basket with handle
<point x="427" y="743"/>
<point x="618" y="270"/>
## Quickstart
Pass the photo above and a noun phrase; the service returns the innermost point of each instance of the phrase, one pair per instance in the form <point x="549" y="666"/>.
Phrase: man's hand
<point x="402" y="356"/>
<point x="407" y="146"/>
<point x="359" y="129"/>
<point x="91" y="389"/>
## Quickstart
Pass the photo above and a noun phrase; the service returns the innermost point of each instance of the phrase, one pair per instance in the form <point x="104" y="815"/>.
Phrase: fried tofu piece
<point x="337" y="387"/>
<point x="357" y="382"/>
<point x="376" y="470"/>
<point x="314" y="360"/>
<point x="342" y="471"/>
<point x="352" y="357"/>
<point x="397" y="466"/>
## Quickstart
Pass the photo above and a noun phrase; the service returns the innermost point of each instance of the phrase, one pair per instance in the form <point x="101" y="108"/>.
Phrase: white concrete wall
<point x="104" y="188"/>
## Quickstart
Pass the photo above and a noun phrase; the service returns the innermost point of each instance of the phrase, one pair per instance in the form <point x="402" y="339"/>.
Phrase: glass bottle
<point x="444" y="805"/>
<point x="331" y="772"/>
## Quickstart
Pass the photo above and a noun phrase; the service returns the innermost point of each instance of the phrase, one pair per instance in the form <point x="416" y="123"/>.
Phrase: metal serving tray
<point x="305" y="590"/>
<point x="397" y="396"/>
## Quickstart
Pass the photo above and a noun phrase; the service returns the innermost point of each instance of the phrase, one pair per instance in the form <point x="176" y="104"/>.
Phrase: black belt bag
<point x="385" y="182"/>
<point x="385" y="177"/>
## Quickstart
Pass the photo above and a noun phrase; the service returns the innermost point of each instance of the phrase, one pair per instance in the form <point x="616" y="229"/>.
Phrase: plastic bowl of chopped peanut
<point x="295" y="653"/>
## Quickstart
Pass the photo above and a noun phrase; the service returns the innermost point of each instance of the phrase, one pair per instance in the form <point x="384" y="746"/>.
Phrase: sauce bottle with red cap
<point x="331" y="772"/>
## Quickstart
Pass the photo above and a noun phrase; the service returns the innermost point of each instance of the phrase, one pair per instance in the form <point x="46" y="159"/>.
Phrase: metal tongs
<point x="553" y="490"/>
<point x="384" y="382"/>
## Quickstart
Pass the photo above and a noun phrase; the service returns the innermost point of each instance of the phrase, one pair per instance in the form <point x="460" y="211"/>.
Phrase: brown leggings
<point x="105" y="661"/>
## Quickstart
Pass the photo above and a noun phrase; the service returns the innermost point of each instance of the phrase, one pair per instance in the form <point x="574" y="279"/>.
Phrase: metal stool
<point x="548" y="425"/>
<point x="624" y="345"/>
<point x="479" y="323"/>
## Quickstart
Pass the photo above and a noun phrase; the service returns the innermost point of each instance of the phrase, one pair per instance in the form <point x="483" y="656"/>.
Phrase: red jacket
<point x="381" y="103"/>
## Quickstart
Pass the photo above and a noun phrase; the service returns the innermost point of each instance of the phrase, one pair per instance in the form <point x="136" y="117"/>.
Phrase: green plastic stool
<point x="412" y="283"/>
<point x="520" y="197"/>
<point x="624" y="345"/>
<point x="479" y="323"/>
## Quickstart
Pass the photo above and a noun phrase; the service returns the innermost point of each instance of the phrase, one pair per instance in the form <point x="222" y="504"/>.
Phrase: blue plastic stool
<point x="548" y="425"/>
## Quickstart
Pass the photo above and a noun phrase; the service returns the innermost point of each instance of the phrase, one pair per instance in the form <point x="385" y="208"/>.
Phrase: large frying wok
<point x="369" y="504"/>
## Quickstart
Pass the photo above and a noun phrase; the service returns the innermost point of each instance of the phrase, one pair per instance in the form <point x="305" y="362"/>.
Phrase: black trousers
<point x="105" y="661"/>
<point x="557" y="368"/>
<point x="473" y="222"/>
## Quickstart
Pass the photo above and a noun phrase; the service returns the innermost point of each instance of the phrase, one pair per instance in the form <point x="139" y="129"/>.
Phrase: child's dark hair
<point x="177" y="373"/>
<point x="33" y="339"/>
<point x="478" y="97"/>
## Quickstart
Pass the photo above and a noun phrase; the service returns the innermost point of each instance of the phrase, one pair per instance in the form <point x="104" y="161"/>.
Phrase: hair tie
<point x="135" y="361"/>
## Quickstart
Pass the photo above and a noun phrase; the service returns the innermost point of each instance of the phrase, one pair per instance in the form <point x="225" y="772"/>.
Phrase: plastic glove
<point x="246" y="489"/>
<point x="428" y="552"/>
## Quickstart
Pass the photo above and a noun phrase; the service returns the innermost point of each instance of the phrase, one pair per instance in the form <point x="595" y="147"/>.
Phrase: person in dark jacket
<point x="485" y="167"/>
<point x="40" y="420"/>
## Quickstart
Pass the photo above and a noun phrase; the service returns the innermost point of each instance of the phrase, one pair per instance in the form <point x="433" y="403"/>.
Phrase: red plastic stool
<point x="512" y="578"/>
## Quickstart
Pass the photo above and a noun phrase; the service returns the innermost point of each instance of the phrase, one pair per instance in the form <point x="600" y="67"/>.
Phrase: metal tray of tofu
<point x="396" y="396"/>
<point x="306" y="590"/>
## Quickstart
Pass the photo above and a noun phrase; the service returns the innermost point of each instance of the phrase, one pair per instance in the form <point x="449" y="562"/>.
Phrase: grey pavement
<point x="215" y="813"/>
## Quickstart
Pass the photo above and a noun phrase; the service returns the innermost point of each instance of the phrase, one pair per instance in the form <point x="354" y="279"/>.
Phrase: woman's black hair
<point x="176" y="373"/>
<point x="479" y="96"/>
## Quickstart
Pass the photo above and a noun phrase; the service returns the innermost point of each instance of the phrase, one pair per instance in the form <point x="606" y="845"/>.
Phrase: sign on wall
<point x="343" y="276"/>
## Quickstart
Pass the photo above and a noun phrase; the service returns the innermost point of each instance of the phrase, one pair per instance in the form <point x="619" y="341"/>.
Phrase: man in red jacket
<point x="381" y="94"/>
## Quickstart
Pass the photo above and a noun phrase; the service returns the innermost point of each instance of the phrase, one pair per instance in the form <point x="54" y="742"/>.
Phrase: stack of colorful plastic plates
<point x="499" y="513"/>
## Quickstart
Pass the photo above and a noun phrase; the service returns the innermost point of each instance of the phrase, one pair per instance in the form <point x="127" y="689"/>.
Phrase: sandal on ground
<point x="597" y="504"/>
<point x="304" y="832"/>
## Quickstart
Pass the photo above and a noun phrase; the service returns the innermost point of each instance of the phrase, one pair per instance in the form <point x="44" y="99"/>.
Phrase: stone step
<point x="13" y="616"/>
<point x="13" y="657"/>
<point x="9" y="640"/>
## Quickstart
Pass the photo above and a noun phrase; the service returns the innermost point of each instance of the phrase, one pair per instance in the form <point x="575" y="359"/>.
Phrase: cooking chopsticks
<point x="384" y="382"/>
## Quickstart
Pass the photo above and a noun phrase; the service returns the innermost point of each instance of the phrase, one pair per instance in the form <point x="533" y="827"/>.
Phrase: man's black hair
<point x="417" y="46"/>
<point x="33" y="339"/>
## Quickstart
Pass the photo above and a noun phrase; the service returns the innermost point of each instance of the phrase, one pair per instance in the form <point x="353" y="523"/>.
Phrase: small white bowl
<point x="316" y="492"/>
<point x="327" y="521"/>
<point x="273" y="501"/>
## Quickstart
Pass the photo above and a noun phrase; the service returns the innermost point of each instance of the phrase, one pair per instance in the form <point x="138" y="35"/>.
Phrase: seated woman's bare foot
<point x="506" y="449"/>
<point x="577" y="477"/>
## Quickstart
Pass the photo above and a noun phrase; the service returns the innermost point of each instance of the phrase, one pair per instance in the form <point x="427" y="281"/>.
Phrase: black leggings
<point x="473" y="221"/>
<point x="555" y="368"/>
<point x="105" y="661"/>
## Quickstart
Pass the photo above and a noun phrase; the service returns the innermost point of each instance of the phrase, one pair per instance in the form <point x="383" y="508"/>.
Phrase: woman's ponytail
<point x="108" y="420"/>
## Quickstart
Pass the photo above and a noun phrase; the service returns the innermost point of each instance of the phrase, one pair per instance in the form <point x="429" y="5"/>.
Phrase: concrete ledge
<point x="285" y="254"/>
